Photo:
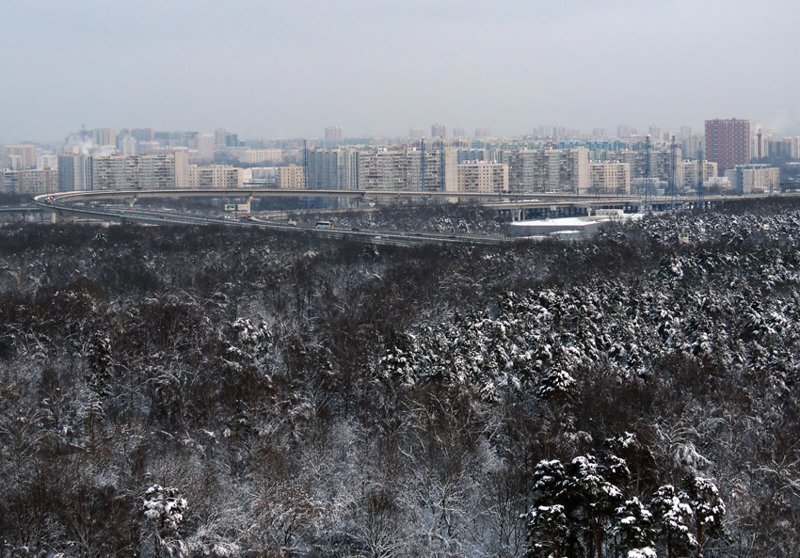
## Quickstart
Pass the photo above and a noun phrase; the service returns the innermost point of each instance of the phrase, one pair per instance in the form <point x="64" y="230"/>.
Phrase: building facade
<point x="548" y="170"/>
<point x="332" y="169"/>
<point x="610" y="177"/>
<point x="214" y="177"/>
<point x="165" y="171"/>
<point x="74" y="172"/>
<point x="688" y="178"/>
<point x="728" y="143"/>
<point x="23" y="156"/>
<point x="291" y="177"/>
<point x="482" y="176"/>
<point x="420" y="168"/>
<point x="29" y="181"/>
<point x="754" y="179"/>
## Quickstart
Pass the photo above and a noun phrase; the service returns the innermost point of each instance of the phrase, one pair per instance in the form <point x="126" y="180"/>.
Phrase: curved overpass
<point x="493" y="200"/>
<point x="514" y="203"/>
<point x="99" y="195"/>
<point x="63" y="203"/>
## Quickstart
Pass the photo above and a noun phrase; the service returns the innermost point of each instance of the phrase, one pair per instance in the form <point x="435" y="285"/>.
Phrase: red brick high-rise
<point x="728" y="143"/>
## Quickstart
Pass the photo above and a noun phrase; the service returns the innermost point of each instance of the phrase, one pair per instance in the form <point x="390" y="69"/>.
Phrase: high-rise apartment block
<point x="728" y="142"/>
<point x="104" y="136"/>
<point x="688" y="180"/>
<point x="610" y="177"/>
<point x="332" y="169"/>
<point x="754" y="179"/>
<point x="438" y="131"/>
<point x="334" y="134"/>
<point x="482" y="177"/>
<point x="549" y="170"/>
<point x="205" y="147"/>
<point x="145" y="172"/>
<point x="22" y="156"/>
<point x="28" y="181"/>
<point x="74" y="172"/>
<point x="214" y="177"/>
<point x="291" y="177"/>
<point x="420" y="168"/>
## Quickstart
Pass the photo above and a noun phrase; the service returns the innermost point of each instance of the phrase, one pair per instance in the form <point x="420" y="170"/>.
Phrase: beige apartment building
<point x="687" y="174"/>
<point x="610" y="177"/>
<point x="215" y="177"/>
<point x="291" y="177"/>
<point x="482" y="177"/>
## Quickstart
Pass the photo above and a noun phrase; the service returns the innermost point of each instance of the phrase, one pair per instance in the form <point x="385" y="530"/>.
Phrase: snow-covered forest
<point x="214" y="392"/>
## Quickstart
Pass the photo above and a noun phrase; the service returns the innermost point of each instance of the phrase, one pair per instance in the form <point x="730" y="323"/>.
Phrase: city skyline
<point x="270" y="69"/>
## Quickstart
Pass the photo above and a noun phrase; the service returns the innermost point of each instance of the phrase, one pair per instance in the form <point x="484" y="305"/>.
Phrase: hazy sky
<point x="377" y="67"/>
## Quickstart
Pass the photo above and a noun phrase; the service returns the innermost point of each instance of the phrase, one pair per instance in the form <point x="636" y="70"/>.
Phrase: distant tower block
<point x="728" y="143"/>
<point x="438" y="131"/>
<point x="334" y="134"/>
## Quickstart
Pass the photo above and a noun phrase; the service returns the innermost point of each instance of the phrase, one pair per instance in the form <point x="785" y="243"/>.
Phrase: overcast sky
<point x="288" y="68"/>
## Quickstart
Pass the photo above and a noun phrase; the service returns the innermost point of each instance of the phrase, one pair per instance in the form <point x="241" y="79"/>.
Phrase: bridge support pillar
<point x="131" y="201"/>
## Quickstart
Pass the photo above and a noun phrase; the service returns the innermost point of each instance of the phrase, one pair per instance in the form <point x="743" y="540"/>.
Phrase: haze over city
<point x="286" y="69"/>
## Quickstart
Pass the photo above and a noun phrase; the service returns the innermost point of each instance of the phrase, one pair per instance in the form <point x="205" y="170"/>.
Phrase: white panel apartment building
<point x="140" y="172"/>
<point x="754" y="179"/>
<point x="409" y="169"/>
<point x="549" y="170"/>
<point x="482" y="176"/>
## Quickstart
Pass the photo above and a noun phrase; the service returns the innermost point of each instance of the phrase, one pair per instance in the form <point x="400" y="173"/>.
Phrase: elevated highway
<point x="256" y="193"/>
<point x="512" y="206"/>
<point x="57" y="204"/>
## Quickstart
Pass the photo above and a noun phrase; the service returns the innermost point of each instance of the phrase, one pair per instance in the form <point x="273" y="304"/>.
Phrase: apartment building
<point x="291" y="177"/>
<point x="610" y="178"/>
<point x="332" y="169"/>
<point x="754" y="179"/>
<point x="548" y="170"/>
<point x="143" y="172"/>
<point x="29" y="181"/>
<point x="413" y="169"/>
<point x="728" y="142"/>
<point x="482" y="177"/>
<point x="214" y="177"/>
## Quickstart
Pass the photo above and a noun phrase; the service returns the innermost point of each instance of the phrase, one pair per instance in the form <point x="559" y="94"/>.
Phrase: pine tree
<point x="672" y="515"/>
